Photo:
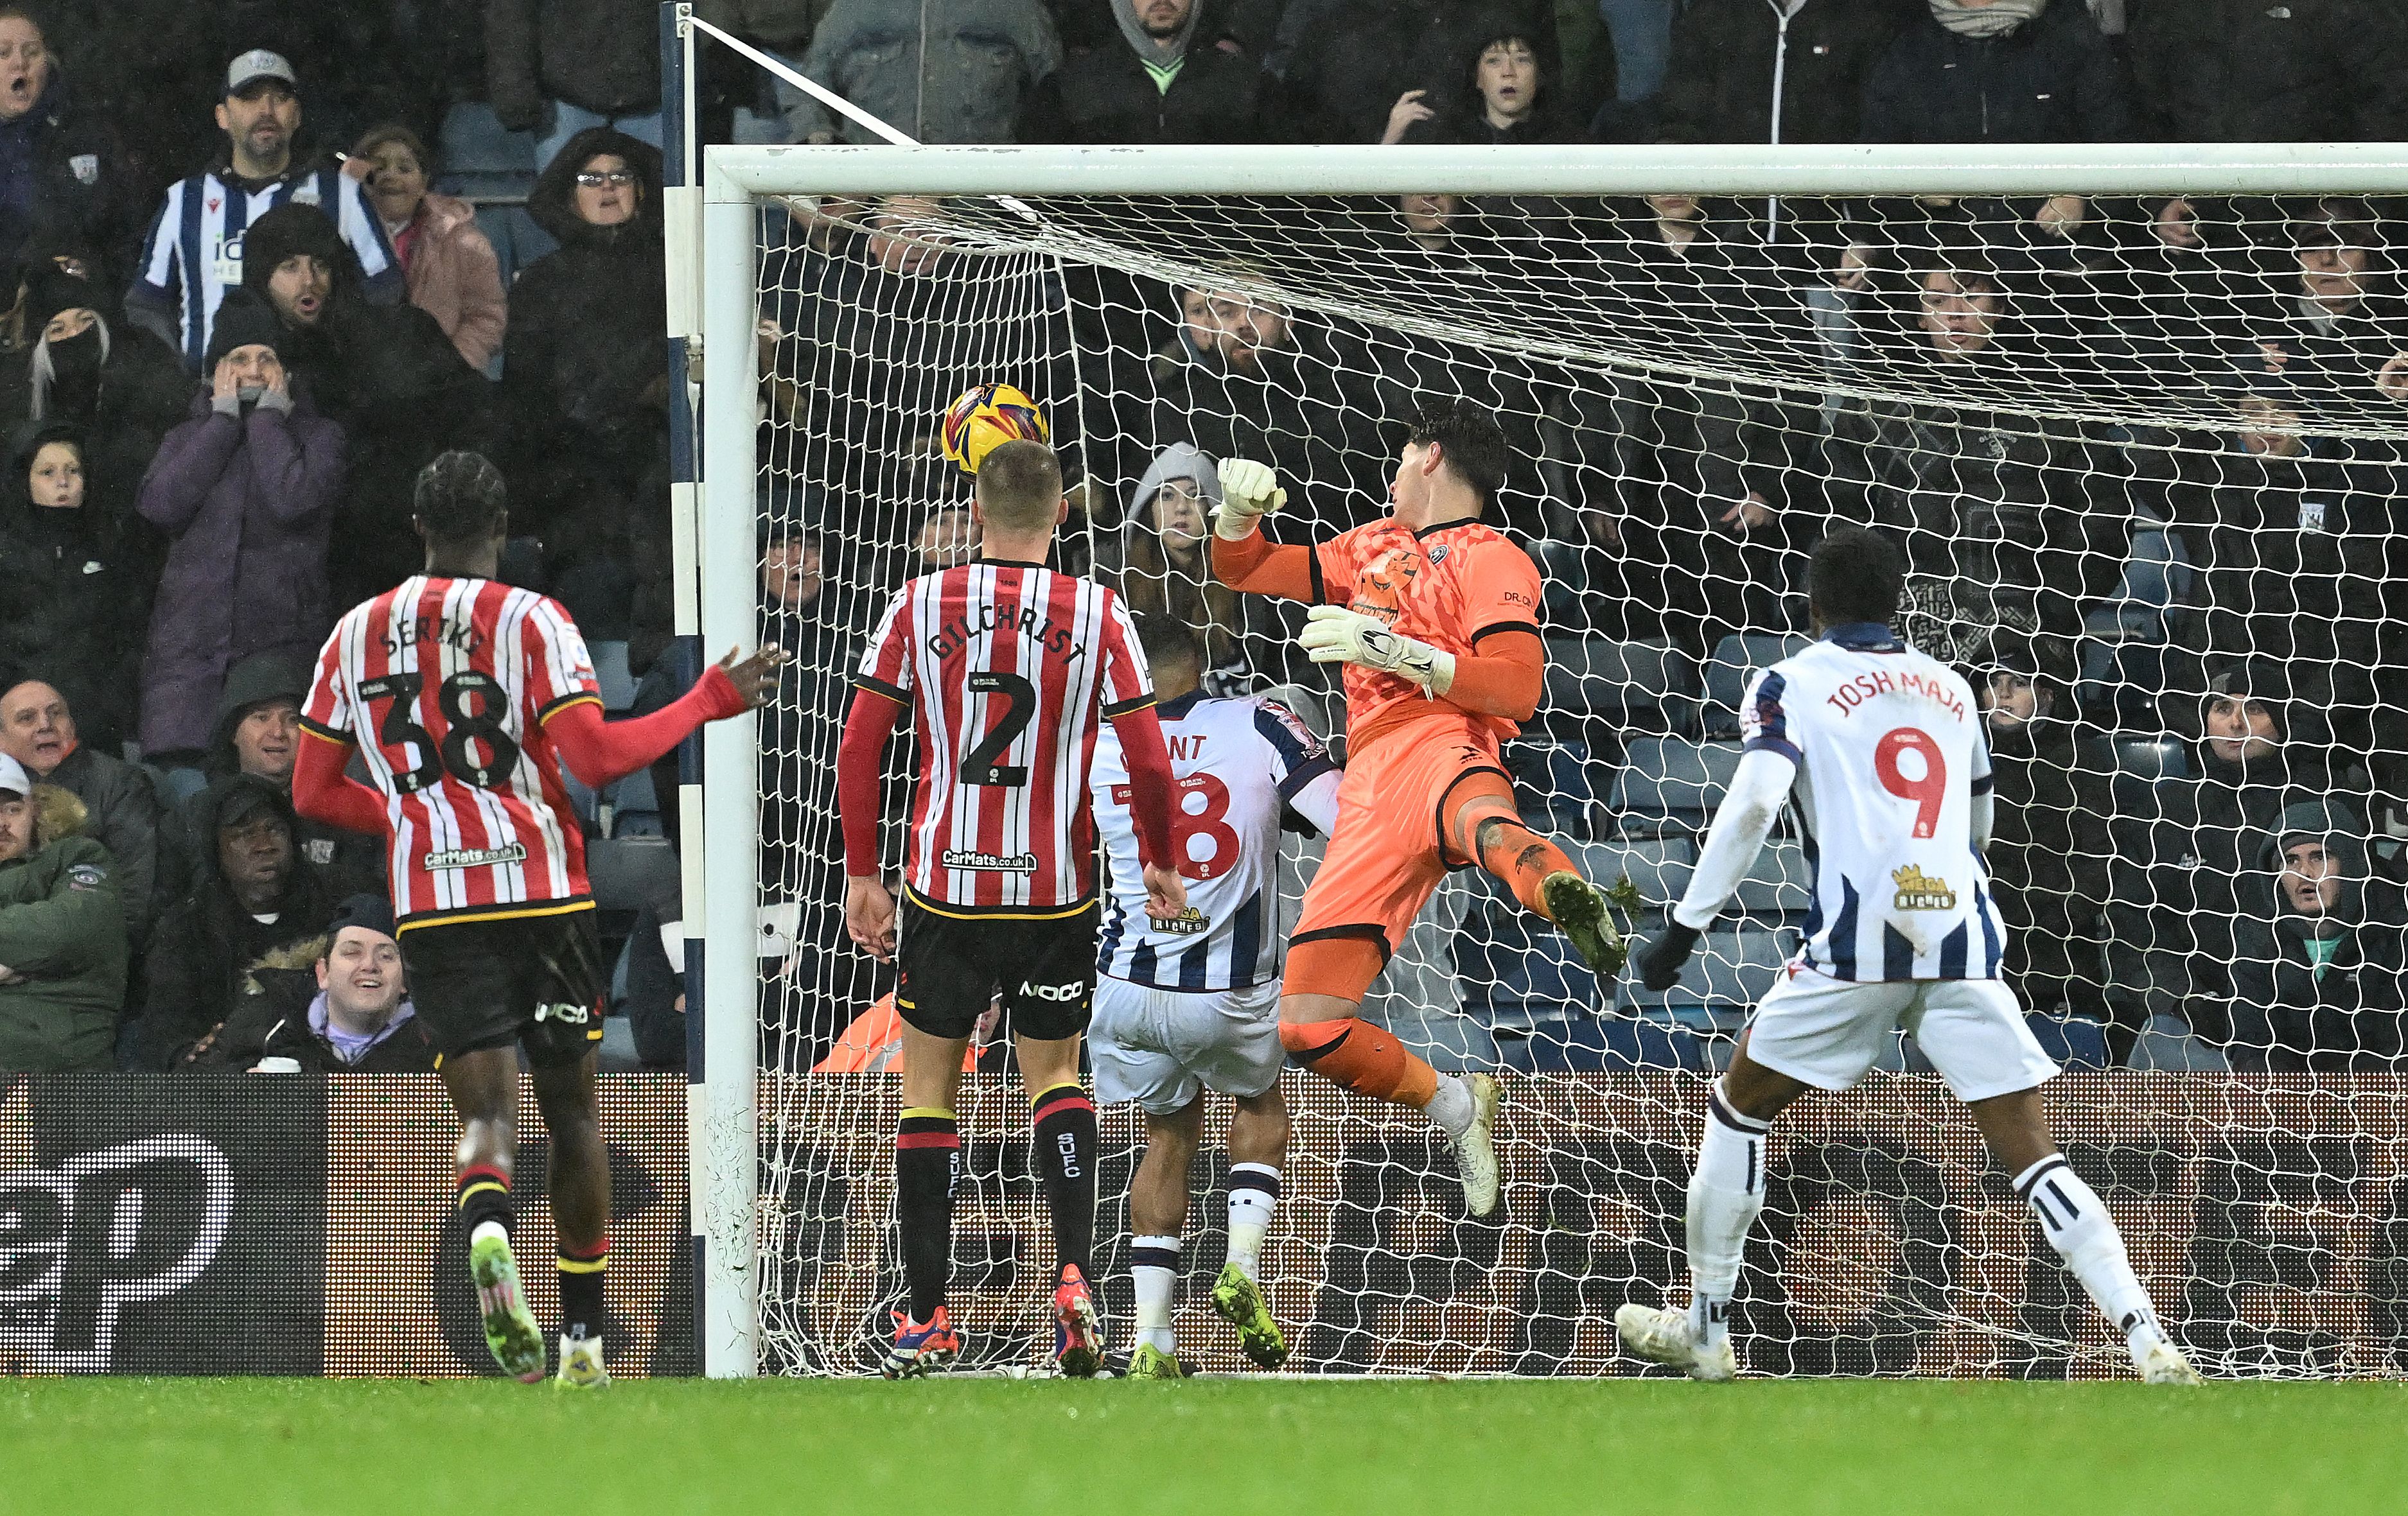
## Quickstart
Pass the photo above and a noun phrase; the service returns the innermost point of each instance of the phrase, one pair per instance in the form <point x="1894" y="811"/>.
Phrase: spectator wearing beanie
<point x="85" y="366"/>
<point x="335" y="1005"/>
<point x="246" y="489"/>
<point x="582" y="389"/>
<point x="77" y="591"/>
<point x="446" y="261"/>
<point x="386" y="375"/>
<point x="2320" y="973"/>
<point x="253" y="894"/>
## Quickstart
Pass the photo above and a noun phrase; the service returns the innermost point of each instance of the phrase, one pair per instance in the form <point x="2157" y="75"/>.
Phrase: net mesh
<point x="2146" y="462"/>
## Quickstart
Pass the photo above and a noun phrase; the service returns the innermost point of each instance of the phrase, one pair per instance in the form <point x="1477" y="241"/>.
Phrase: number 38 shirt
<point x="445" y="684"/>
<point x="1890" y="753"/>
<point x="1011" y="670"/>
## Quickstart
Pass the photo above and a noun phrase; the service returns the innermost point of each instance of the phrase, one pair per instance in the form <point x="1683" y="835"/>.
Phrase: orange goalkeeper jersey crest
<point x="1448" y="585"/>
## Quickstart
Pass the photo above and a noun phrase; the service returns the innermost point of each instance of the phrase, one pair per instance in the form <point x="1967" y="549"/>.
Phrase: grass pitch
<point x="989" y="1448"/>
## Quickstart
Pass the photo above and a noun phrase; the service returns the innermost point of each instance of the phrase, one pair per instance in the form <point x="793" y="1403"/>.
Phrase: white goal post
<point x="714" y="235"/>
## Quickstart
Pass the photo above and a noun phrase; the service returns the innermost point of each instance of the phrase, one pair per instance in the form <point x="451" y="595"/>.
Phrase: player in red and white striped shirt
<point x="465" y="698"/>
<point x="1010" y="671"/>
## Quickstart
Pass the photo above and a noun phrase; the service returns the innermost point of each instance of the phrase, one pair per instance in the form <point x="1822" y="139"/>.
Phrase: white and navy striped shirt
<point x="1238" y="769"/>
<point x="192" y="253"/>
<point x="1890" y="753"/>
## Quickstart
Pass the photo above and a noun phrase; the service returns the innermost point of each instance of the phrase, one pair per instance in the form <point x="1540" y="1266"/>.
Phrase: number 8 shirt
<point x="446" y="684"/>
<point x="1890" y="753"/>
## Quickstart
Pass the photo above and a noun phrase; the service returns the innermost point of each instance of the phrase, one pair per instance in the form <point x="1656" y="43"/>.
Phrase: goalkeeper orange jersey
<point x="1449" y="585"/>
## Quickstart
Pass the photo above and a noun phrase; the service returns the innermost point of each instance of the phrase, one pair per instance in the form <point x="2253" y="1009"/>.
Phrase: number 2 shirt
<point x="1243" y="769"/>
<point x="1009" y="670"/>
<point x="445" y="684"/>
<point x="1890" y="753"/>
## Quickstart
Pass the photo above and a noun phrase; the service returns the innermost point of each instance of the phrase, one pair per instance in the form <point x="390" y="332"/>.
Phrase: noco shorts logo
<point x="1063" y="993"/>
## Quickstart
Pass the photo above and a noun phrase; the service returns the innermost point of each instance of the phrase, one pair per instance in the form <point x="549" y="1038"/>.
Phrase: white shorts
<point x="1158" y="1047"/>
<point x="1826" y="1032"/>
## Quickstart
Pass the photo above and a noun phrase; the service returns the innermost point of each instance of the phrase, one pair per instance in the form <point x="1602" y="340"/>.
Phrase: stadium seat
<point x="1627" y="686"/>
<point x="1669" y="786"/>
<point x="1589" y="1044"/>
<point x="1778" y="885"/>
<point x="626" y="874"/>
<point x="2075" y="1041"/>
<point x="1727" y="975"/>
<point x="2167" y="1044"/>
<point x="611" y="672"/>
<point x="1559" y="785"/>
<point x="1733" y="662"/>
<point x="1658" y="867"/>
<point x="1513" y="965"/>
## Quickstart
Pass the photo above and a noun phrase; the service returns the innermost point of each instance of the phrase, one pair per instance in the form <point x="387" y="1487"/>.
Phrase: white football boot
<point x="1664" y="1336"/>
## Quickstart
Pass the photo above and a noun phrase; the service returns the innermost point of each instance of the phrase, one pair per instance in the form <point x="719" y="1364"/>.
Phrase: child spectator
<point x="447" y="262"/>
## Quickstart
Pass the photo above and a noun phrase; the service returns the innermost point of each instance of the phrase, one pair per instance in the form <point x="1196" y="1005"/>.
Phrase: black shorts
<point x="535" y="980"/>
<point x="949" y="968"/>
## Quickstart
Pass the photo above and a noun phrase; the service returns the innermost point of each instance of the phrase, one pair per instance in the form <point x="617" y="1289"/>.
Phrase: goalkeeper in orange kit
<point x="1435" y="616"/>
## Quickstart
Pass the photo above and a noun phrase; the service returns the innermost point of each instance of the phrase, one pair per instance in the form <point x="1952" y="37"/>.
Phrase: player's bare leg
<point x="1157" y="1218"/>
<point x="2077" y="1224"/>
<point x="1327" y="1034"/>
<point x="927" y="1159"/>
<point x="1062" y="1147"/>
<point x="1257" y="1151"/>
<point x="1484" y="826"/>
<point x="484" y="1090"/>
<point x="581" y="1213"/>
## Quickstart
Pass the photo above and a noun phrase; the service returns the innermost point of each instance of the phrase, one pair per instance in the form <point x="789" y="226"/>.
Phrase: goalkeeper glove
<point x="1665" y="954"/>
<point x="1334" y="635"/>
<point x="1249" y="492"/>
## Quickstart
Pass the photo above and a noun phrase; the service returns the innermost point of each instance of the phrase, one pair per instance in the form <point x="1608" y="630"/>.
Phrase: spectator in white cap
<point x="194" y="252"/>
<point x="62" y="935"/>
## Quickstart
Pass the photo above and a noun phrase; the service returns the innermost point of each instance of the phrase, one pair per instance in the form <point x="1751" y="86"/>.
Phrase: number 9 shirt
<point x="1890" y="754"/>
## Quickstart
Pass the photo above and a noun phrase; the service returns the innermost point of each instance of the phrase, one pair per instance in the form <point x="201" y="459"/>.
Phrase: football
<point x="984" y="415"/>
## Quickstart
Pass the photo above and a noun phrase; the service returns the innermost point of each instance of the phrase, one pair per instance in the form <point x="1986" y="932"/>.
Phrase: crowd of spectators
<point x="257" y="271"/>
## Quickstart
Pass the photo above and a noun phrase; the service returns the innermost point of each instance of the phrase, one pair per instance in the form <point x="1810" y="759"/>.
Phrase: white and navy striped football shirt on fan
<point x="1890" y="753"/>
<point x="192" y="253"/>
<point x="445" y="684"/>
<point x="1239" y="767"/>
<point x="1010" y="671"/>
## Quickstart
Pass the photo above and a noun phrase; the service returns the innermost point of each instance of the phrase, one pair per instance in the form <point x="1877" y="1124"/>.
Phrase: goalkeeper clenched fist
<point x="1249" y="492"/>
<point x="1334" y="635"/>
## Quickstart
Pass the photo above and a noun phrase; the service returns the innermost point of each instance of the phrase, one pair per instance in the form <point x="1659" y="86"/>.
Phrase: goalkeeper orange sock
<point x="1361" y="1056"/>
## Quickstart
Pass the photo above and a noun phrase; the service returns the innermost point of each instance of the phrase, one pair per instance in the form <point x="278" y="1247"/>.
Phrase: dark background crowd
<point x="269" y="258"/>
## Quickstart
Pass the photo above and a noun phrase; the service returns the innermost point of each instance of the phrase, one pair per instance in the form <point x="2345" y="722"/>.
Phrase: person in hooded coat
<point x="77" y="591"/>
<point x="583" y="392"/>
<point x="1159" y="564"/>
<point x="246" y="489"/>
<point x="253" y="893"/>
<point x="1160" y="79"/>
<point x="387" y="375"/>
<point x="2321" y="973"/>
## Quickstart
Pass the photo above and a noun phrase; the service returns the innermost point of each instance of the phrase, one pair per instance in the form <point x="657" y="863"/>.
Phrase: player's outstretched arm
<point x="869" y="906"/>
<point x="602" y="752"/>
<point x="324" y="793"/>
<point x="1150" y="792"/>
<point x="1244" y="558"/>
<point x="1757" y="790"/>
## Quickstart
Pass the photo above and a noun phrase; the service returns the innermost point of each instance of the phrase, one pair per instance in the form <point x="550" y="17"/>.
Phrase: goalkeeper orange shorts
<point x="1389" y="853"/>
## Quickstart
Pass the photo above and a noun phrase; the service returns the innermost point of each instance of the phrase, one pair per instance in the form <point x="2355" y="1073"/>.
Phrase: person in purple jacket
<point x="244" y="490"/>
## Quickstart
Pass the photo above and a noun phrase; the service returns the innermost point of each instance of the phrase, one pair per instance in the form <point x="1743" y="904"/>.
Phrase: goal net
<point x="2145" y="460"/>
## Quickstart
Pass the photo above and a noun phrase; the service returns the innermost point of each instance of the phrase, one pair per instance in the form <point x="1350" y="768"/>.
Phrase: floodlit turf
<point x="987" y="1447"/>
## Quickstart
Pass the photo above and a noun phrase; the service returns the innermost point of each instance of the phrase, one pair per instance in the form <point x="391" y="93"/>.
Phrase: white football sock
<point x="485" y="1229"/>
<point x="1725" y="1193"/>
<point x="1451" y="1107"/>
<point x="1254" y="1193"/>
<point x="2078" y="1227"/>
<point x="1153" y="1266"/>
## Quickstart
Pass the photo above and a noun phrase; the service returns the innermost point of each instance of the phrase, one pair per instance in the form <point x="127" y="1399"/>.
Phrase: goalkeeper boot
<point x="580" y="1365"/>
<point x="1239" y="1300"/>
<point x="1078" y="1331"/>
<point x="2161" y="1363"/>
<point x="1475" y="1151"/>
<point x="1579" y="911"/>
<point x="919" y="1346"/>
<point x="510" y="1331"/>
<point x="1665" y="1337"/>
<point x="1151" y="1363"/>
